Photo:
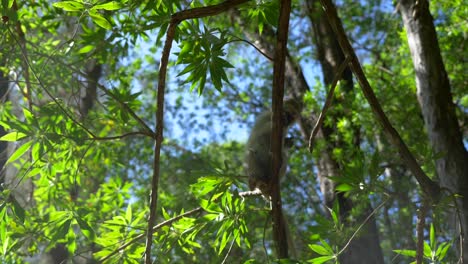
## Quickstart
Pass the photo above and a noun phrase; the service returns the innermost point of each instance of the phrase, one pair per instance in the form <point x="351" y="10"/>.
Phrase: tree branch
<point x="279" y="230"/>
<point x="429" y="187"/>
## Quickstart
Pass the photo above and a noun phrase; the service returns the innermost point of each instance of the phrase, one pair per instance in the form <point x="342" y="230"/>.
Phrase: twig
<point x="255" y="47"/>
<point x="135" y="133"/>
<point x="328" y="102"/>
<point x="362" y="225"/>
<point x="430" y="188"/>
<point x="229" y="251"/>
<point x="149" y="131"/>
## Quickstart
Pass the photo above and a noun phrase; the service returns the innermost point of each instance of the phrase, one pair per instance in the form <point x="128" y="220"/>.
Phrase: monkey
<point x="258" y="157"/>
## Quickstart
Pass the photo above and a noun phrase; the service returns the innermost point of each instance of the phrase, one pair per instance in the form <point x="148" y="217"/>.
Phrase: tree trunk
<point x="365" y="248"/>
<point x="437" y="107"/>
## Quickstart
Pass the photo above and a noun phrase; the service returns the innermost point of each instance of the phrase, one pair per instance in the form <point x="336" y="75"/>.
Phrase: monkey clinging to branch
<point x="258" y="159"/>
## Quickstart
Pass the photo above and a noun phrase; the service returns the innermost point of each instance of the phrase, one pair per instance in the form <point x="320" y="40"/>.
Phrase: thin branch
<point x="255" y="47"/>
<point x="430" y="188"/>
<point x="154" y="229"/>
<point x="135" y="133"/>
<point x="166" y="223"/>
<point x="362" y="225"/>
<point x="279" y="68"/>
<point x="328" y="102"/>
<point x="55" y="100"/>
<point x="107" y="92"/>
<point x="229" y="251"/>
<point x="159" y="137"/>
<point x="175" y="20"/>
<point x="25" y="64"/>
<point x="149" y="131"/>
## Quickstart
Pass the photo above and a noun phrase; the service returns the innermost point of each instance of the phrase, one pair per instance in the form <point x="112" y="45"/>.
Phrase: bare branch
<point x="279" y="68"/>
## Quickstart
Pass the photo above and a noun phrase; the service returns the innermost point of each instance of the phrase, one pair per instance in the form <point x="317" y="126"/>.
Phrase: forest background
<point x="91" y="125"/>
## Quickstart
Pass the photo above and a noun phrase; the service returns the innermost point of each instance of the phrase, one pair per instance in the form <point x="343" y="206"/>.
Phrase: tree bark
<point x="435" y="99"/>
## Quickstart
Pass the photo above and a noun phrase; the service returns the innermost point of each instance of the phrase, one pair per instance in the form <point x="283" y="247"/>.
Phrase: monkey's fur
<point x="258" y="158"/>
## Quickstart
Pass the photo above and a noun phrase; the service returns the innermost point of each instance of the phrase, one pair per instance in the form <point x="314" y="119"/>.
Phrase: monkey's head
<point x="292" y="110"/>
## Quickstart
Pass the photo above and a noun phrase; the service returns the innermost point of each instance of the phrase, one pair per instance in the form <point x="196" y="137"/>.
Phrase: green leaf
<point x="61" y="230"/>
<point x="225" y="237"/>
<point x="320" y="260"/>
<point x="5" y="245"/>
<point x="71" y="241"/>
<point x="210" y="206"/>
<point x="20" y="151"/>
<point x="319" y="249"/>
<point x="406" y="252"/>
<point x="18" y="209"/>
<point x="165" y="214"/>
<point x="326" y="245"/>
<point x="13" y="136"/>
<point x="70" y="5"/>
<point x="442" y="250"/>
<point x="86" y="229"/>
<point x="427" y="250"/>
<point x="344" y="187"/>
<point x="432" y="237"/>
<point x="128" y="213"/>
<point x="59" y="216"/>
<point x="86" y="49"/>
<point x="108" y="6"/>
<point x="100" y="20"/>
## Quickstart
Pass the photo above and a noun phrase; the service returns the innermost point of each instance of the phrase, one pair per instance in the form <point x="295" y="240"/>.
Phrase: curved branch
<point x="429" y="187"/>
<point x="255" y="47"/>
<point x="175" y="20"/>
